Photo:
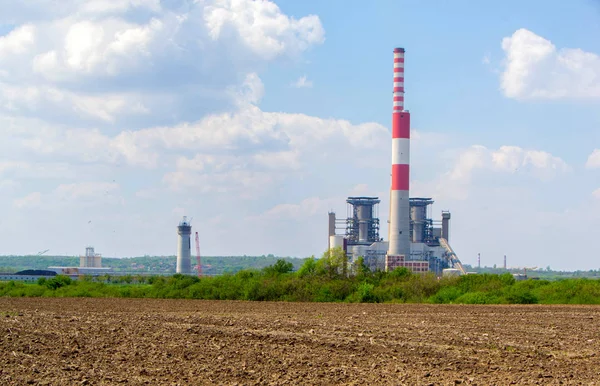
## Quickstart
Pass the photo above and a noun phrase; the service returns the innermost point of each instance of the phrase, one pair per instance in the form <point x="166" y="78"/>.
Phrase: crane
<point x="42" y="252"/>
<point x="198" y="255"/>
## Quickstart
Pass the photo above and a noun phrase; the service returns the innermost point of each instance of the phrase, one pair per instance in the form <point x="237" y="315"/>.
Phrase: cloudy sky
<point x="257" y="117"/>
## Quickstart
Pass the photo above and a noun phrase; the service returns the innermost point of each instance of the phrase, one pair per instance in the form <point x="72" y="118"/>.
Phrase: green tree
<point x="359" y="267"/>
<point x="58" y="281"/>
<point x="333" y="263"/>
<point x="309" y="268"/>
<point x="281" y="266"/>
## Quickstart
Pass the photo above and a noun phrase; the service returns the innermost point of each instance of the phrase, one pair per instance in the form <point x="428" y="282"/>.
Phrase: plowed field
<point x="112" y="341"/>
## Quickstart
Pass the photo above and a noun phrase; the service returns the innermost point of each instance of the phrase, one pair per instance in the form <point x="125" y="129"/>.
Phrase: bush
<point x="478" y="298"/>
<point x="446" y="295"/>
<point x="520" y="293"/>
<point x="309" y="267"/>
<point x="364" y="294"/>
<point x="280" y="267"/>
<point x="400" y="273"/>
<point x="57" y="282"/>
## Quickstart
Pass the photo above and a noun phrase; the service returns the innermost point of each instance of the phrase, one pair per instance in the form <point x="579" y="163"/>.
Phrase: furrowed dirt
<point x="146" y="341"/>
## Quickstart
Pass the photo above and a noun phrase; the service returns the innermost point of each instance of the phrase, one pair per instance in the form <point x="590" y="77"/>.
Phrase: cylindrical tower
<point x="418" y="214"/>
<point x="399" y="228"/>
<point x="446" y="225"/>
<point x="365" y="217"/>
<point x="331" y="227"/>
<point x="184" y="247"/>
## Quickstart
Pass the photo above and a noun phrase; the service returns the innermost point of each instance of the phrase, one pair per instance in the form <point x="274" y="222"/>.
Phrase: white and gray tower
<point x="184" y="247"/>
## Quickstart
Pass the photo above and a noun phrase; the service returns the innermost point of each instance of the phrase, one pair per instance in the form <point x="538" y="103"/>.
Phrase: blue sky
<point x="256" y="118"/>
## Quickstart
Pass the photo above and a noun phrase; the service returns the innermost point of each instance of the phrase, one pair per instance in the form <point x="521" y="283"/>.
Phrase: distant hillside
<point x="211" y="265"/>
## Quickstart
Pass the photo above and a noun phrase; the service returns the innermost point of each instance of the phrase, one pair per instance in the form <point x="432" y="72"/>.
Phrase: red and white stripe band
<point x="400" y="128"/>
<point x="398" y="104"/>
<point x="400" y="176"/>
<point x="400" y="150"/>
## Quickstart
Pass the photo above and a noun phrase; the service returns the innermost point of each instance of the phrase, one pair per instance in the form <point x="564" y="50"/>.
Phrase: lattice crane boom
<point x="198" y="255"/>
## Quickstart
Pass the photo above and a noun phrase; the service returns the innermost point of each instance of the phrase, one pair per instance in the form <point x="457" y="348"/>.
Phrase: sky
<point x="256" y="118"/>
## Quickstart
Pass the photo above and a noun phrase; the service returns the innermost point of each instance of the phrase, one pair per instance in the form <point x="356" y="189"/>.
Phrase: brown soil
<point x="111" y="341"/>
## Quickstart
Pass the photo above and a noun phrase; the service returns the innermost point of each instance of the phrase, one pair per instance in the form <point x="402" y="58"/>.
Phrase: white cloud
<point x="105" y="47"/>
<point x="18" y="41"/>
<point x="41" y="10"/>
<point x="72" y="195"/>
<point x="593" y="161"/>
<point x="276" y="35"/>
<point x="308" y="207"/>
<point x="280" y="160"/>
<point x="535" y="68"/>
<point x="82" y="57"/>
<point x="148" y="193"/>
<point x="507" y="159"/>
<point x="265" y="140"/>
<point x="8" y="185"/>
<point x="100" y="40"/>
<point x="31" y="200"/>
<point x="109" y="6"/>
<point x="242" y="182"/>
<point x="250" y="92"/>
<point x="302" y="82"/>
<point x="596" y="193"/>
<point x="24" y="170"/>
<point x="85" y="190"/>
<point x="43" y="99"/>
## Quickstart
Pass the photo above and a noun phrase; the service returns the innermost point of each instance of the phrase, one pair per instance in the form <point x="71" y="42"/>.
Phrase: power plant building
<point x="415" y="241"/>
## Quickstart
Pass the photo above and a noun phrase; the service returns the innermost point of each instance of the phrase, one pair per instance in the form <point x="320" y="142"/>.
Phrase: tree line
<point x="328" y="279"/>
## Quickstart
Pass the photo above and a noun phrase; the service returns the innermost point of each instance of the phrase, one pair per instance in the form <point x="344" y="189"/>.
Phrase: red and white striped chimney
<point x="399" y="243"/>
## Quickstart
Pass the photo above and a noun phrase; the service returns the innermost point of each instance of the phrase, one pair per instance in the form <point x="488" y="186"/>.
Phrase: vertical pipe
<point x="399" y="230"/>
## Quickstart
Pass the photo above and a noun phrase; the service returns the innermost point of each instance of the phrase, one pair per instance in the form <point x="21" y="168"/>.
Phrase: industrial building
<point x="89" y="264"/>
<point x="415" y="240"/>
<point x="91" y="259"/>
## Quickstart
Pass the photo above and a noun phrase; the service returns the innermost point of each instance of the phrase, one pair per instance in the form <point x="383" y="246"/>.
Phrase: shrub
<point x="309" y="267"/>
<point x="446" y="295"/>
<point x="520" y="293"/>
<point x="280" y="267"/>
<point x="400" y="273"/>
<point x="365" y="294"/>
<point x="478" y="298"/>
<point x="57" y="282"/>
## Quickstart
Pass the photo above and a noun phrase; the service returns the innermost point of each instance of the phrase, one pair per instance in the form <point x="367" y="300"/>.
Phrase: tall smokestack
<point x="399" y="229"/>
